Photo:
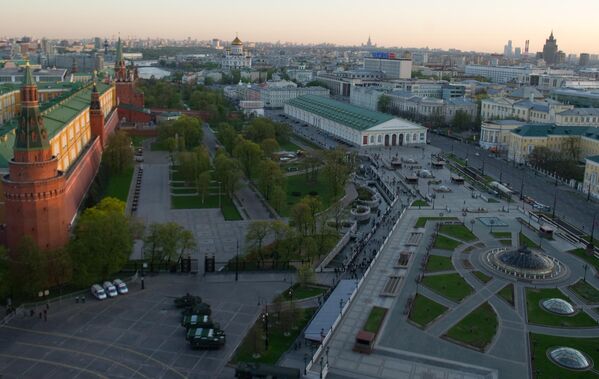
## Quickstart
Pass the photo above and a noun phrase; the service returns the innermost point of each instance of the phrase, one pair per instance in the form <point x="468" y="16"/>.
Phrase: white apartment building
<point x="495" y="135"/>
<point x="578" y="117"/>
<point x="398" y="68"/>
<point x="502" y="74"/>
<point x="497" y="108"/>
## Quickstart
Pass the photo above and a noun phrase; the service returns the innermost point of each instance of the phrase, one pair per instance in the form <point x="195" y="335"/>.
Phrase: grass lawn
<point x="438" y="263"/>
<point x="538" y="315"/>
<point x="477" y="329"/>
<point x="445" y="243"/>
<point x="585" y="291"/>
<point x="229" y="210"/>
<point x="420" y="203"/>
<point x="422" y="220"/>
<point x="507" y="294"/>
<point x="452" y="286"/>
<point x="375" y="319"/>
<point x="589" y="258"/>
<point x="424" y="310"/>
<point x="482" y="276"/>
<point x="118" y="185"/>
<point x="138" y="140"/>
<point x="302" y="292"/>
<point x="502" y="234"/>
<point x="184" y="191"/>
<point x="457" y="231"/>
<point x="278" y="343"/>
<point x="506" y="242"/>
<point x="544" y="368"/>
<point x="298" y="187"/>
<point x="523" y="240"/>
<point x="289" y="146"/>
<point x="306" y="142"/>
<point x="158" y="146"/>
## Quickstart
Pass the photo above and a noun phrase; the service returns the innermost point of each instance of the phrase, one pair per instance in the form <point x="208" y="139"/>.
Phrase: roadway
<point x="570" y="205"/>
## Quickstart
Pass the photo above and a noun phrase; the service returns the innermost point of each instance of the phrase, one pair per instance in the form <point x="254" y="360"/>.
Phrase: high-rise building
<point x="584" y="59"/>
<point x="507" y="49"/>
<point x="517" y="52"/>
<point x="97" y="43"/>
<point x="550" y="50"/>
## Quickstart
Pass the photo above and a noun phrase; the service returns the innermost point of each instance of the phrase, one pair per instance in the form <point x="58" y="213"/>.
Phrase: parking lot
<point x="137" y="335"/>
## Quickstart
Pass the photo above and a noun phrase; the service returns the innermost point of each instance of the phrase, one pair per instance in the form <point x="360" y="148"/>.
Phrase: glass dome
<point x="558" y="306"/>
<point x="569" y="358"/>
<point x="523" y="258"/>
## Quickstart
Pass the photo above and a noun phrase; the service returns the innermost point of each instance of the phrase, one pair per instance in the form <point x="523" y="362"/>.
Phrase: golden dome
<point x="237" y="41"/>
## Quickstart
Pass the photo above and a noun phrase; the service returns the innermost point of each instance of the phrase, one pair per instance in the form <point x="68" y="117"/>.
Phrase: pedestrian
<point x="45" y="315"/>
<point x="40" y="314"/>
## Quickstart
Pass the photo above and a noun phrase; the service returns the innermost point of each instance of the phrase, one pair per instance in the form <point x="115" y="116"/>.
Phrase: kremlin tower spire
<point x="31" y="142"/>
<point x="120" y="70"/>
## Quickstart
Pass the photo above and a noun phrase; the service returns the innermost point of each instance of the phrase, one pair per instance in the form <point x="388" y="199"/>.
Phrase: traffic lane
<point x="570" y="204"/>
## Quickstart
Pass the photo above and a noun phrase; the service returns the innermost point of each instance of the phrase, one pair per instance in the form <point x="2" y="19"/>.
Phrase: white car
<point x="110" y="289"/>
<point x="121" y="287"/>
<point x="98" y="292"/>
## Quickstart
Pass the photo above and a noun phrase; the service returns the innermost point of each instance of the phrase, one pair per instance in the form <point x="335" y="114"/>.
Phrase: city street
<point x="571" y="205"/>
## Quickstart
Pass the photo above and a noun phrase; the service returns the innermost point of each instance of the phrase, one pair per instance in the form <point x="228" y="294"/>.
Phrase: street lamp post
<point x="472" y="225"/>
<point x="265" y="320"/>
<point x="585" y="266"/>
<point x="593" y="228"/>
<point x="219" y="202"/>
<point x="237" y="263"/>
<point x="305" y="363"/>
<point x="554" y="204"/>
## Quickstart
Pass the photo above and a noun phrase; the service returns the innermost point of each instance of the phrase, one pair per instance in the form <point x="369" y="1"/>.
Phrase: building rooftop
<point x="543" y="130"/>
<point x="580" y="112"/>
<point x="594" y="159"/>
<point x="342" y="113"/>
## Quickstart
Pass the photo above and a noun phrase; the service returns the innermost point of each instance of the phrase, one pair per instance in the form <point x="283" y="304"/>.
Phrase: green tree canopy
<point x="118" y="154"/>
<point x="186" y="132"/>
<point x="248" y="154"/>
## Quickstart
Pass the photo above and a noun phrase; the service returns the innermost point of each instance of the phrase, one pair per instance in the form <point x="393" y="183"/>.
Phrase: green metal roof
<point x="544" y="130"/>
<point x="28" y="78"/>
<point x="342" y="113"/>
<point x="594" y="158"/>
<point x="56" y="116"/>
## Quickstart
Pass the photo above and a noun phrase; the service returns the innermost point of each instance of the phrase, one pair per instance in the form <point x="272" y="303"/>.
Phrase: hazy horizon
<point x="462" y="24"/>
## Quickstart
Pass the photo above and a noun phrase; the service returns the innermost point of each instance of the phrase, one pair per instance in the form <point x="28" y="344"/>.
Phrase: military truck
<point x="197" y="309"/>
<point x="198" y="321"/>
<point x="207" y="338"/>
<point x="187" y="301"/>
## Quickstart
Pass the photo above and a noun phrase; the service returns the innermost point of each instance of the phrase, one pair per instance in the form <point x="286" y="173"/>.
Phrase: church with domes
<point x="235" y="56"/>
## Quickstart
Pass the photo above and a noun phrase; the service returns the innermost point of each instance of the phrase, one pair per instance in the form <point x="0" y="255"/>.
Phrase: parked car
<point x="110" y="289"/>
<point x="98" y="292"/>
<point x="542" y="207"/>
<point x="120" y="286"/>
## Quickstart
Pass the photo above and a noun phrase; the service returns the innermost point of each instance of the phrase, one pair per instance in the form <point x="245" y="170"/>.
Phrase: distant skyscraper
<point x="584" y="59"/>
<point x="507" y="49"/>
<point x="517" y="52"/>
<point x="550" y="50"/>
<point x="97" y="43"/>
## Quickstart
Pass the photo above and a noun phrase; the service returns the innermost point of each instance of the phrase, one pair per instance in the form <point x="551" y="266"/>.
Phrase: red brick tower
<point x="120" y="69"/>
<point x="34" y="189"/>
<point x="96" y="116"/>
<point x="130" y="100"/>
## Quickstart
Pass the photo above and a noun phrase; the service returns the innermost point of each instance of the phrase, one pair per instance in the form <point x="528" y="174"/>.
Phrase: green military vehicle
<point x="187" y="301"/>
<point x="197" y="309"/>
<point x="207" y="338"/>
<point x="198" y="321"/>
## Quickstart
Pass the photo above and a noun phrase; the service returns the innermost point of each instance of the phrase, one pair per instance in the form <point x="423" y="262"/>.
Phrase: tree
<point x="59" y="266"/>
<point x="248" y="154"/>
<point x="227" y="136"/>
<point x="278" y="198"/>
<point x="301" y="217"/>
<point x="384" y="104"/>
<point x="337" y="169"/>
<point x="102" y="241"/>
<point x="167" y="242"/>
<point x="27" y="275"/>
<point x="227" y="171"/>
<point x="192" y="164"/>
<point x="186" y="131"/>
<point x="270" y="177"/>
<point x="461" y="121"/>
<point x="256" y="233"/>
<point x="118" y="155"/>
<point x="571" y="148"/>
<point x="203" y="184"/>
<point x="269" y="146"/>
<point x="305" y="274"/>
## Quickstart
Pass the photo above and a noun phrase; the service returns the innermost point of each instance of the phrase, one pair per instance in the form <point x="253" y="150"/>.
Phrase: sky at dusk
<point x="481" y="25"/>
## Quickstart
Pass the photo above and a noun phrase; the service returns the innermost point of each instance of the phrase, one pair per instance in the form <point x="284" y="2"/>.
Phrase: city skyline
<point x="396" y="25"/>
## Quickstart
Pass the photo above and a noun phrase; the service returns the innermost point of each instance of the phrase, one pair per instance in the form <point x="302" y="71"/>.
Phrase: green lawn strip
<point x="138" y="140"/>
<point x="584" y="255"/>
<point x="506" y="242"/>
<point x="289" y="146"/>
<point x="229" y="210"/>
<point x="438" y="263"/>
<point x="445" y="243"/>
<point x="177" y="176"/>
<point x="184" y="191"/>
<point x="544" y="368"/>
<point x="452" y="286"/>
<point x="375" y="319"/>
<point x="502" y="234"/>
<point x="585" y="291"/>
<point x="422" y="220"/>
<point x="482" y="276"/>
<point x="306" y="142"/>
<point x="158" y="146"/>
<point x="476" y="329"/>
<point x="278" y="343"/>
<point x="298" y="187"/>
<point x="507" y="294"/>
<point x="457" y="231"/>
<point x="420" y="203"/>
<point x="523" y="240"/>
<point x="119" y="184"/>
<point x="302" y="292"/>
<point x="538" y="315"/>
<point x="425" y="310"/>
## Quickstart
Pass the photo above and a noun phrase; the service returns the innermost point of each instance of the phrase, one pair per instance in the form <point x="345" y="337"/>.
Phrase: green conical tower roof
<point x="28" y="79"/>
<point x="119" y="50"/>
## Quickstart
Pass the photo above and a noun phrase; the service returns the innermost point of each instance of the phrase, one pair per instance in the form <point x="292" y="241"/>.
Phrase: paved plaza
<point x="137" y="335"/>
